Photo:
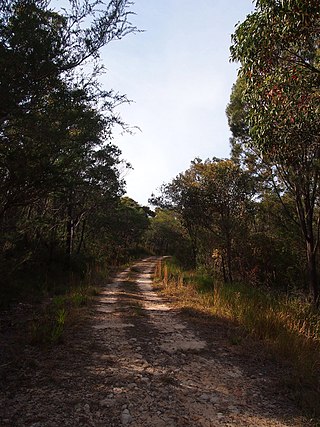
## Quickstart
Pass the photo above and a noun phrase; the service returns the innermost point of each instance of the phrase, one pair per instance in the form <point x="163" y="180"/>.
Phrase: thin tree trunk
<point x="52" y="244"/>
<point x="82" y="236"/>
<point x="69" y="236"/>
<point x="313" y="273"/>
<point x="305" y="211"/>
<point x="226" y="226"/>
<point x="229" y="259"/>
<point x="224" y="270"/>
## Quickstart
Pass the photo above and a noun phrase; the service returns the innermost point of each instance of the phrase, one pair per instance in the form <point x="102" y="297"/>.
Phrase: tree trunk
<point x="224" y="269"/>
<point x="312" y="272"/>
<point x="69" y="236"/>
<point x="52" y="244"/>
<point x="82" y="236"/>
<point x="306" y="216"/>
<point x="229" y="259"/>
<point x="228" y="239"/>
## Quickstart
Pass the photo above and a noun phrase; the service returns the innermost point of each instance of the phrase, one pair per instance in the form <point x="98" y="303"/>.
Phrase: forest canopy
<point x="60" y="171"/>
<point x="255" y="216"/>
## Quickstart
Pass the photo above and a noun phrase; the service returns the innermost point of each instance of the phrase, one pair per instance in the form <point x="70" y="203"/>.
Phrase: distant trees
<point x="128" y="226"/>
<point x="234" y="221"/>
<point x="211" y="198"/>
<point x="166" y="235"/>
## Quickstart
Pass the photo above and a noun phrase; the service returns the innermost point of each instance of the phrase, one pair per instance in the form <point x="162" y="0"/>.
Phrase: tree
<point x="271" y="252"/>
<point x="39" y="45"/>
<point x="127" y="226"/>
<point x="211" y="196"/>
<point x="278" y="47"/>
<point x="40" y="52"/>
<point x="166" y="235"/>
<point x="58" y="165"/>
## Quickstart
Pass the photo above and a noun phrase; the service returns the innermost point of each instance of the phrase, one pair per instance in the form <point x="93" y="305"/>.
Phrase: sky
<point x="177" y="72"/>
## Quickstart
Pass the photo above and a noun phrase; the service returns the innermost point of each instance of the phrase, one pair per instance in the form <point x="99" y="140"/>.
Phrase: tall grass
<point x="61" y="306"/>
<point x="289" y="326"/>
<point x="51" y="320"/>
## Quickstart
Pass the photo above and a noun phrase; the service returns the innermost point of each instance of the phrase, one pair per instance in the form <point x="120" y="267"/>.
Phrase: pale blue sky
<point x="179" y="75"/>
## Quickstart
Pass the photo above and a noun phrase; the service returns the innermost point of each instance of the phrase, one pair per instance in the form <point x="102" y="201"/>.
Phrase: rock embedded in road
<point x="126" y="417"/>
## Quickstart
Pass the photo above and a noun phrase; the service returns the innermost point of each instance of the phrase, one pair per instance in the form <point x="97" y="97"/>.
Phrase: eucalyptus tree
<point x="278" y="48"/>
<point x="166" y="235"/>
<point x="124" y="227"/>
<point x="212" y="199"/>
<point x="38" y="44"/>
<point x="57" y="160"/>
<point x="41" y="51"/>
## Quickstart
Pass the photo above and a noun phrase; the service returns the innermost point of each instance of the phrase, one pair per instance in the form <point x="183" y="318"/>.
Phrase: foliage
<point x="278" y="47"/>
<point x="211" y="198"/>
<point x="126" y="229"/>
<point x="167" y="235"/>
<point x="59" y="168"/>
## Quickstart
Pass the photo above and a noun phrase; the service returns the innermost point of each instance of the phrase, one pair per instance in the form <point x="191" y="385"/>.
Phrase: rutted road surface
<point x="141" y="363"/>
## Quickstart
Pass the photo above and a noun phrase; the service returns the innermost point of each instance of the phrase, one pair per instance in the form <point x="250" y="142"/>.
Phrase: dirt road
<point x="139" y="362"/>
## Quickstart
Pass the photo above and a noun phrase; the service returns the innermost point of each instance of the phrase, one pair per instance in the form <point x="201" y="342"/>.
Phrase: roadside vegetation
<point x="57" y="314"/>
<point x="287" y="326"/>
<point x="64" y="220"/>
<point x="244" y="230"/>
<point x="251" y="222"/>
<point x="62" y="207"/>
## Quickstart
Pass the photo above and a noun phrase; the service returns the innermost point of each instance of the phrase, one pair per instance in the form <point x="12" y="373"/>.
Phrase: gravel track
<point x="138" y="361"/>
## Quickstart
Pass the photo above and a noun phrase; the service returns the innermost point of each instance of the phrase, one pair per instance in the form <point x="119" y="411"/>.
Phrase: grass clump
<point x="289" y="326"/>
<point x="50" y="322"/>
<point x="48" y="327"/>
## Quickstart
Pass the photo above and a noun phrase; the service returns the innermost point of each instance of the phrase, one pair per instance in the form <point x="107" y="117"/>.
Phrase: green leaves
<point x="278" y="47"/>
<point x="58" y="167"/>
<point x="211" y="199"/>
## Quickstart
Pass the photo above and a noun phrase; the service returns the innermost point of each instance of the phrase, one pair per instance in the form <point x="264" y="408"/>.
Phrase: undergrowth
<point x="50" y="321"/>
<point x="288" y="326"/>
<point x="60" y="304"/>
<point x="57" y="299"/>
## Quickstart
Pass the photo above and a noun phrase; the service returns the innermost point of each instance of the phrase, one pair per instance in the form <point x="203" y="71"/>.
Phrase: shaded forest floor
<point x="134" y="359"/>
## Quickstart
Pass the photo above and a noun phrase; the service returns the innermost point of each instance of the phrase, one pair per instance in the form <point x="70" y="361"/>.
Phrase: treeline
<point x="234" y="226"/>
<point x="61" y="188"/>
<point x="255" y="217"/>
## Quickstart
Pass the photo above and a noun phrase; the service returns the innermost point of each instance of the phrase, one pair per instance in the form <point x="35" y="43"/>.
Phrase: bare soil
<point x="136" y="360"/>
